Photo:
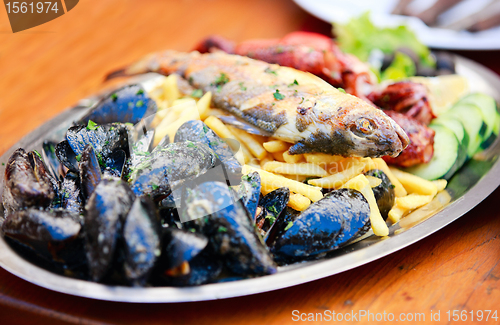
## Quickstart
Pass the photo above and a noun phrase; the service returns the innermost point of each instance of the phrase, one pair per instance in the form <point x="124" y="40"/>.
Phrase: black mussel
<point x="142" y="235"/>
<point x="90" y="171"/>
<point x="282" y="224"/>
<point x="126" y="105"/>
<point x="105" y="213"/>
<point x="67" y="156"/>
<point x="204" y="268"/>
<point x="180" y="246"/>
<point x="105" y="139"/>
<point x="249" y="192"/>
<point x="384" y="193"/>
<point x="71" y="197"/>
<point x="272" y="205"/>
<point x="116" y="163"/>
<point x="141" y="147"/>
<point x="27" y="182"/>
<point x="51" y="160"/>
<point x="52" y="235"/>
<point x="197" y="131"/>
<point x="170" y="166"/>
<point x="445" y="63"/>
<point x="324" y="225"/>
<point x="226" y="223"/>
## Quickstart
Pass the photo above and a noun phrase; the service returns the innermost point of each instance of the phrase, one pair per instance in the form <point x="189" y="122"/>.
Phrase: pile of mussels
<point x="104" y="205"/>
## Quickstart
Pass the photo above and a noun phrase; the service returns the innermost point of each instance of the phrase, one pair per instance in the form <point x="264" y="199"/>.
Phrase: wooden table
<point x="50" y="67"/>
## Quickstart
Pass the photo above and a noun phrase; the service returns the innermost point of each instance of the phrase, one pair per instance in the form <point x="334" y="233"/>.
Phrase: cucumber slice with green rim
<point x="443" y="164"/>
<point x="463" y="138"/>
<point x="491" y="117"/>
<point x="472" y="119"/>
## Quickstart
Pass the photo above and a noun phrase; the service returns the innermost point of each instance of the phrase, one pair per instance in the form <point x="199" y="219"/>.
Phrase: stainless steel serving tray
<point x="470" y="185"/>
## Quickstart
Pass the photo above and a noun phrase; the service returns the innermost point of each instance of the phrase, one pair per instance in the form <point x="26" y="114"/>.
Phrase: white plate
<point x="341" y="11"/>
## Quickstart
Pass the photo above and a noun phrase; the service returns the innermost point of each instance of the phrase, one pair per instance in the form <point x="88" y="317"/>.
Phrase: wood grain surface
<point x="48" y="68"/>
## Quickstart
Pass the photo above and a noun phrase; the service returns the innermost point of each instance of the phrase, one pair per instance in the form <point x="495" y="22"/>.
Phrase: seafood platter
<point x="242" y="168"/>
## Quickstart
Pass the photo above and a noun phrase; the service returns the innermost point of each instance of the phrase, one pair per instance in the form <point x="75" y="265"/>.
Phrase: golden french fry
<point x="413" y="201"/>
<point x="396" y="213"/>
<point x="369" y="165"/>
<point x="298" y="202"/>
<point x="213" y="112"/>
<point x="294" y="169"/>
<point x="270" y="180"/>
<point x="275" y="146"/>
<point x="203" y="105"/>
<point x="441" y="199"/>
<point x="298" y="178"/>
<point x="336" y="180"/>
<point x="253" y="145"/>
<point x="292" y="159"/>
<point x="169" y="128"/>
<point x="222" y="131"/>
<point x="322" y="158"/>
<point x="374" y="181"/>
<point x="440" y="184"/>
<point x="268" y="158"/>
<point x="414" y="184"/>
<point x="361" y="184"/>
<point x="399" y="190"/>
<point x="170" y="90"/>
<point x="278" y="156"/>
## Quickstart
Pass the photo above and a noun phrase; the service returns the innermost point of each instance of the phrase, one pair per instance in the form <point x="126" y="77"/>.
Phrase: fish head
<point x="371" y="131"/>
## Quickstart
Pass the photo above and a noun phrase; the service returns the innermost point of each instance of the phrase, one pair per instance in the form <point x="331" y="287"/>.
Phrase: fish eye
<point x="364" y="126"/>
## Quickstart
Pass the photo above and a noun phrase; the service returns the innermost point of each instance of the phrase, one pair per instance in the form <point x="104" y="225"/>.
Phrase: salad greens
<point x="360" y="37"/>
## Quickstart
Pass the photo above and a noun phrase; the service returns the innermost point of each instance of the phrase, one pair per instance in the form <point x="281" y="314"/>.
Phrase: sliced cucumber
<point x="444" y="161"/>
<point x="490" y="114"/>
<point x="463" y="138"/>
<point x="472" y="119"/>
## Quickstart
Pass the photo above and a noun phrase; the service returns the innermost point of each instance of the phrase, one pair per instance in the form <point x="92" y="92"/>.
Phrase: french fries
<point x="295" y="169"/>
<point x="250" y="142"/>
<point x="170" y="90"/>
<point x="399" y="190"/>
<point x="361" y="184"/>
<point x="336" y="180"/>
<point x="298" y="202"/>
<point x="275" y="146"/>
<point x="414" y="184"/>
<point x="322" y="158"/>
<point x="270" y="180"/>
<point x="426" y="211"/>
<point x="374" y="181"/>
<point x="203" y="105"/>
<point x="291" y="159"/>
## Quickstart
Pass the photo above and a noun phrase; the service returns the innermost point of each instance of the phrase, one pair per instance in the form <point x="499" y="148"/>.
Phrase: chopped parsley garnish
<point x="278" y="96"/>
<point x="139" y="92"/>
<point x="341" y="90"/>
<point x="37" y="153"/>
<point x="272" y="208"/>
<point x="3" y="164"/>
<point x="243" y="88"/>
<point x="301" y="101"/>
<point x="294" y="83"/>
<point x="192" y="230"/>
<point x="79" y="157"/>
<point x="91" y="125"/>
<point x="393" y="186"/>
<point x="222" y="229"/>
<point x="197" y="93"/>
<point x="101" y="160"/>
<point x="192" y="145"/>
<point x="221" y="80"/>
<point x="271" y="219"/>
<point x="155" y="187"/>
<point x="289" y="225"/>
<point x="114" y="97"/>
<point x="130" y="105"/>
<point x="139" y="103"/>
<point x="268" y="70"/>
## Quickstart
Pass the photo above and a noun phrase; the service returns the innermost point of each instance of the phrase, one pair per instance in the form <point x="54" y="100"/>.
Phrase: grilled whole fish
<point x="292" y="105"/>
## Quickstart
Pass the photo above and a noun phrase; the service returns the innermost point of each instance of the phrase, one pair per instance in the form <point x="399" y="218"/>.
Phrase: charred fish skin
<point x="294" y="106"/>
<point x="27" y="182"/>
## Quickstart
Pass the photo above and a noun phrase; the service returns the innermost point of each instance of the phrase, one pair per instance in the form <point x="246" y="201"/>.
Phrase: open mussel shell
<point x="52" y="235"/>
<point x="180" y="246"/>
<point x="169" y="166"/>
<point x="142" y="236"/>
<point x="28" y="183"/>
<point x="325" y="225"/>
<point x="115" y="164"/>
<point x="50" y="158"/>
<point x="90" y="171"/>
<point x="105" y="213"/>
<point x="71" y="196"/>
<point x="249" y="192"/>
<point x="105" y="139"/>
<point x="128" y="104"/>
<point x="67" y="156"/>
<point x="197" y="131"/>
<point x="225" y="221"/>
<point x="384" y="193"/>
<point x="272" y="206"/>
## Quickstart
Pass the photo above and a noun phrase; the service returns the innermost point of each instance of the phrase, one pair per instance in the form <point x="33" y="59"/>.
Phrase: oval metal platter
<point x="473" y="183"/>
